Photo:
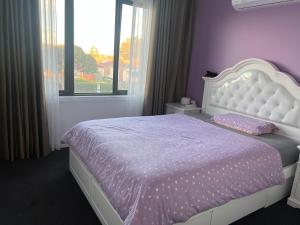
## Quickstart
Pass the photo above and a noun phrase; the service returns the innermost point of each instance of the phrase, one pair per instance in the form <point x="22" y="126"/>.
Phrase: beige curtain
<point x="23" y="124"/>
<point x="169" y="54"/>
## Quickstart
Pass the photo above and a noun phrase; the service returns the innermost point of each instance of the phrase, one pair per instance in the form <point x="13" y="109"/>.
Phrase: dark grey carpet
<point x="43" y="192"/>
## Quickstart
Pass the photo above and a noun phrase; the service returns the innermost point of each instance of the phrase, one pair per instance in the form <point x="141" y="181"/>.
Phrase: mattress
<point x="164" y="169"/>
<point x="284" y="145"/>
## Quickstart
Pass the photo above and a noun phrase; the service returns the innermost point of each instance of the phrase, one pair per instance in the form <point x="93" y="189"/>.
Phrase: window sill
<point x="103" y="98"/>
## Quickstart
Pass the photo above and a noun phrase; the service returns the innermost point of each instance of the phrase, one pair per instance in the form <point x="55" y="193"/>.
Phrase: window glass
<point x="60" y="47"/>
<point x="94" y="27"/>
<point x="125" y="39"/>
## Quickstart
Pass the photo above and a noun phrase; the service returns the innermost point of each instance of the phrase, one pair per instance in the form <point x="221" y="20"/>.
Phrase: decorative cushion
<point x="244" y="124"/>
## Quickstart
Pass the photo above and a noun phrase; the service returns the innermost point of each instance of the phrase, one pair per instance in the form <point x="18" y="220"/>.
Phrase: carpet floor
<point x="43" y="192"/>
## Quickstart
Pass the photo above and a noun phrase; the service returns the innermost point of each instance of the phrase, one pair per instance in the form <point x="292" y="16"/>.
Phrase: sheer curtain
<point x="139" y="51"/>
<point x="50" y="68"/>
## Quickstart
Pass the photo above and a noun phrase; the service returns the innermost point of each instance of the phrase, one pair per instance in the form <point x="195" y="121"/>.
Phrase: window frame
<point x="69" y="51"/>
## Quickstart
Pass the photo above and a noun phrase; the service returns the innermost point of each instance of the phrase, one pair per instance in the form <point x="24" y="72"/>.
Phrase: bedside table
<point x="172" y="108"/>
<point x="294" y="199"/>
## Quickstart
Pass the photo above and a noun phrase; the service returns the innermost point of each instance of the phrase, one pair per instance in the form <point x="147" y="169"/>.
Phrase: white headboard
<point x="256" y="88"/>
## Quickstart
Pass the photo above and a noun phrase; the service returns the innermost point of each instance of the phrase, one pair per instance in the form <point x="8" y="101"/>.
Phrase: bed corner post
<point x="205" y="94"/>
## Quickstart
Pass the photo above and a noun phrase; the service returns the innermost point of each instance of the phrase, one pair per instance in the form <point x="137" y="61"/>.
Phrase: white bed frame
<point x="268" y="94"/>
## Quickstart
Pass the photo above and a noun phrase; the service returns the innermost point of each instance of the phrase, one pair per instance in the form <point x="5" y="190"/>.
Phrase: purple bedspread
<point x="164" y="169"/>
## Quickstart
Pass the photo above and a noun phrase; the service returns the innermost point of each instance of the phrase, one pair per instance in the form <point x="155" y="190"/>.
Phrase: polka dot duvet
<point x="162" y="170"/>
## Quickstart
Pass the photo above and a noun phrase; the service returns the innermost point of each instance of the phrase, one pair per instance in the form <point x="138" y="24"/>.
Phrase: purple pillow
<point x="244" y="124"/>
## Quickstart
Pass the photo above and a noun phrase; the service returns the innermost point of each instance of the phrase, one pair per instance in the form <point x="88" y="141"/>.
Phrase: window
<point x="96" y="57"/>
<point x="60" y="14"/>
<point x="124" y="48"/>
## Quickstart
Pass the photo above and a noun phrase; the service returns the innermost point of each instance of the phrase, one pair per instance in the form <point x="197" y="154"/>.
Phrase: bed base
<point x="222" y="215"/>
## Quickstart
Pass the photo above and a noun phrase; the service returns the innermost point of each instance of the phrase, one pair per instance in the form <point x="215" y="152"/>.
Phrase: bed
<point x="253" y="83"/>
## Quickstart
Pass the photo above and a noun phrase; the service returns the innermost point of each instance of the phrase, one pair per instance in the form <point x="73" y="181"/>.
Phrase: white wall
<point x="75" y="109"/>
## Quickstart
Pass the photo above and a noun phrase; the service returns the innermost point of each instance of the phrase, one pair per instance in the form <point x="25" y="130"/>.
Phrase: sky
<point x="94" y="24"/>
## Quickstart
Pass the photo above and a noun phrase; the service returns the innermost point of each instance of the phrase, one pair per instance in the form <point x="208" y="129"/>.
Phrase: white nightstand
<point x="181" y="109"/>
<point x="294" y="199"/>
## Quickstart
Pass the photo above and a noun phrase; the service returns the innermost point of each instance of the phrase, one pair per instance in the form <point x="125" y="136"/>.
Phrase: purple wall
<point x="223" y="37"/>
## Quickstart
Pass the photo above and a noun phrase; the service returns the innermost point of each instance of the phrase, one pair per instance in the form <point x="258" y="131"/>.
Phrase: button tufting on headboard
<point x="256" y="88"/>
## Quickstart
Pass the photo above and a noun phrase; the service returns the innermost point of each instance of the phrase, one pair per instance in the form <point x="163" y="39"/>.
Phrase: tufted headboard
<point x="256" y="88"/>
